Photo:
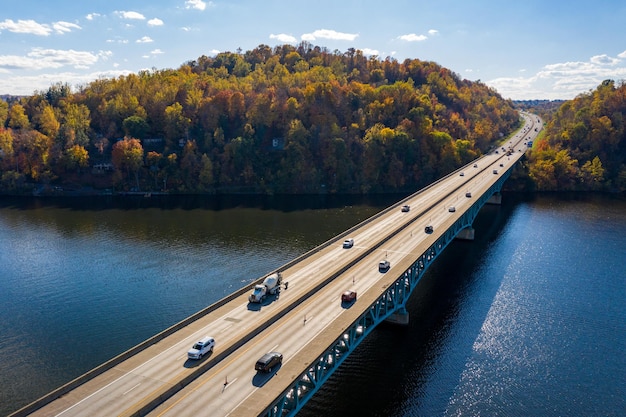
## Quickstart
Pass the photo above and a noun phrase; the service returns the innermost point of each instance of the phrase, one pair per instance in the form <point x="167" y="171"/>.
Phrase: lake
<point x="528" y="319"/>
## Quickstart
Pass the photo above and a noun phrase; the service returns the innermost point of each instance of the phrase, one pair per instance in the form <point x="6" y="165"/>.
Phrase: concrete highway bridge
<point x="307" y="322"/>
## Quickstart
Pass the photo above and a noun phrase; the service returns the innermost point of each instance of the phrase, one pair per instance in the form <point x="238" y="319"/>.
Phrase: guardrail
<point x="150" y="403"/>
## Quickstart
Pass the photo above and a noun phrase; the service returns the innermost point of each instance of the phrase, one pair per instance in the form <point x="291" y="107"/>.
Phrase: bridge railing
<point x="393" y="299"/>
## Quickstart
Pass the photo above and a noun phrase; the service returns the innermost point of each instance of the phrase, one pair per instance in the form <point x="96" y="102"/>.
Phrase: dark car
<point x="348" y="296"/>
<point x="428" y="229"/>
<point x="268" y="361"/>
<point x="406" y="208"/>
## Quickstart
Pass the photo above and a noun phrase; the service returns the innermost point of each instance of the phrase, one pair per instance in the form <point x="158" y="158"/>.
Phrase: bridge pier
<point x="466" y="234"/>
<point x="495" y="199"/>
<point x="401" y="317"/>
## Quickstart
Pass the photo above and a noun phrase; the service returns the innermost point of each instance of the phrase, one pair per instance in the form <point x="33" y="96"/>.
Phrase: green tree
<point x="136" y="127"/>
<point x="205" y="177"/>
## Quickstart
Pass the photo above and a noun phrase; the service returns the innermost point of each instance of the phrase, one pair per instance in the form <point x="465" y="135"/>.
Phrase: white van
<point x="201" y="348"/>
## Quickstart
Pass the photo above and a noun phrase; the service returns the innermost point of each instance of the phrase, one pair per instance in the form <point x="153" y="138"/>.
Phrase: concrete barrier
<point x="149" y="403"/>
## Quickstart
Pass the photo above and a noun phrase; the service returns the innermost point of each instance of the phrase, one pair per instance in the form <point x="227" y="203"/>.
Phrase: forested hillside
<point x="584" y="147"/>
<point x="272" y="120"/>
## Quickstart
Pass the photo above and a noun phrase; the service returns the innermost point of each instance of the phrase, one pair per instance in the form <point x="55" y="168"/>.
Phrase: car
<point x="462" y="174"/>
<point x="501" y="165"/>
<point x="348" y="243"/>
<point x="268" y="361"/>
<point x="405" y="208"/>
<point x="451" y="209"/>
<point x="495" y="171"/>
<point x="475" y="165"/>
<point x="383" y="266"/>
<point x="496" y="151"/>
<point x="348" y="296"/>
<point x="468" y="194"/>
<point x="201" y="348"/>
<point x="428" y="229"/>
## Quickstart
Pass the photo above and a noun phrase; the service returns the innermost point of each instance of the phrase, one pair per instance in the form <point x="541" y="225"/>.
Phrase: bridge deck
<point x="302" y="322"/>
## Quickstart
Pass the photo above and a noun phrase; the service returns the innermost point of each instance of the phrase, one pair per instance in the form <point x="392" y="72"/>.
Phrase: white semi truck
<point x="271" y="285"/>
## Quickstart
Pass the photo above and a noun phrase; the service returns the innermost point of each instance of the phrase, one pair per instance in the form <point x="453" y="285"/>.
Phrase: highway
<point x="300" y="323"/>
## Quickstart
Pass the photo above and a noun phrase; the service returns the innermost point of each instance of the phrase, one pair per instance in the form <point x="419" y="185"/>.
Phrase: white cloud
<point x="27" y="85"/>
<point x="370" y="52"/>
<point x="433" y="32"/>
<point x="196" y="4"/>
<point x="153" y="54"/>
<point x="25" y="26"/>
<point x="329" y="34"/>
<point x="64" y="27"/>
<point x="412" y="37"/>
<point x="40" y="58"/>
<point x="282" y="37"/>
<point x="92" y="16"/>
<point x="562" y="80"/>
<point x="130" y="15"/>
<point x="105" y="55"/>
<point x="622" y="55"/>
<point x="145" y="39"/>
<point x="604" y="60"/>
<point x="155" y="22"/>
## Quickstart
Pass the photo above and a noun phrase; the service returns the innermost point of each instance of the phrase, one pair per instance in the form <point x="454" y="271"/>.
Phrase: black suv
<point x="268" y="361"/>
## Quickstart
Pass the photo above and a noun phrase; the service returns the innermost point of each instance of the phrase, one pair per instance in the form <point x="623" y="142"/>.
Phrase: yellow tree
<point x="127" y="154"/>
<point x="17" y="117"/>
<point x="77" y="157"/>
<point x="48" y="123"/>
<point x="6" y="149"/>
<point x="592" y="173"/>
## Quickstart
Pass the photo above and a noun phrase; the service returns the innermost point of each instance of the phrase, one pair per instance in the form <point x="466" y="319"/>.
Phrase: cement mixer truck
<point x="270" y="285"/>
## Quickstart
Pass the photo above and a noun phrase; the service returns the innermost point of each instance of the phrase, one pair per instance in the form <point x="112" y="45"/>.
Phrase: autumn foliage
<point x="584" y="147"/>
<point x="289" y="119"/>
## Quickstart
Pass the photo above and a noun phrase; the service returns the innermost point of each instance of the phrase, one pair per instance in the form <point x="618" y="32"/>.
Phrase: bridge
<point x="306" y="322"/>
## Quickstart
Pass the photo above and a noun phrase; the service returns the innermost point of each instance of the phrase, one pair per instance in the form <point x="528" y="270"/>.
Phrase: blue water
<point x="527" y="320"/>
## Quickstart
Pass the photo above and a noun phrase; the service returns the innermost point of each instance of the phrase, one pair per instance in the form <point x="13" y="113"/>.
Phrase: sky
<point x="527" y="49"/>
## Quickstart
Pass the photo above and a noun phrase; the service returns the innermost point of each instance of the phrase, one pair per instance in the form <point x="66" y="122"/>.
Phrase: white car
<point x="348" y="243"/>
<point x="201" y="348"/>
<point x="383" y="266"/>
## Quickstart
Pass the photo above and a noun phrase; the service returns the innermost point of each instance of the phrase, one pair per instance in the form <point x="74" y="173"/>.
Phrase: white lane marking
<point x="131" y="389"/>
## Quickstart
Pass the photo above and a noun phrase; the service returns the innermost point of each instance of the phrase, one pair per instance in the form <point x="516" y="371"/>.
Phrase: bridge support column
<point x="495" y="199"/>
<point x="400" y="317"/>
<point x="466" y="234"/>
